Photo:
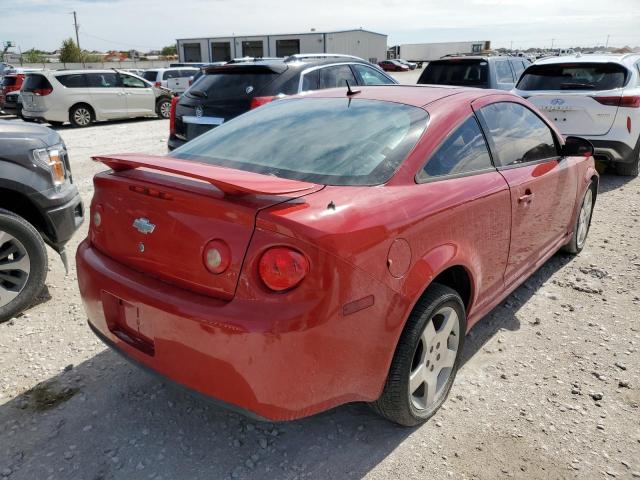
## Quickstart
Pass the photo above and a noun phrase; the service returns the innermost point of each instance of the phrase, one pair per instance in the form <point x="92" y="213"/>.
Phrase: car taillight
<point x="258" y="101"/>
<point x="631" y="101"/>
<point x="172" y="115"/>
<point x="282" y="268"/>
<point x="158" y="84"/>
<point x="42" y="91"/>
<point x="216" y="256"/>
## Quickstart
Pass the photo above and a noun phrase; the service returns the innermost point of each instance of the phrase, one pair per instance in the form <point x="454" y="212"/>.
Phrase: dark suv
<point x="226" y="91"/>
<point x="497" y="72"/>
<point x="38" y="204"/>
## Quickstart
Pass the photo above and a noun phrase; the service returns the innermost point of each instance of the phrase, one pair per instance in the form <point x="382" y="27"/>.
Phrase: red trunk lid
<point x="179" y="206"/>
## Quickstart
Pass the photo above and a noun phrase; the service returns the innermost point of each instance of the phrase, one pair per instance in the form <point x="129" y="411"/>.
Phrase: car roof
<point x="590" y="58"/>
<point x="415" y="95"/>
<point x="282" y="64"/>
<point x="486" y="58"/>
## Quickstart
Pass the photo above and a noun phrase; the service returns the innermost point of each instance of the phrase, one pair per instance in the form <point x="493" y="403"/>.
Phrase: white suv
<point x="176" y="79"/>
<point x="83" y="96"/>
<point x="592" y="96"/>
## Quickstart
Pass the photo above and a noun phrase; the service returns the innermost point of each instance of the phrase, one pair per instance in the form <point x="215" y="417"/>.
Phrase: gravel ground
<point x="550" y="386"/>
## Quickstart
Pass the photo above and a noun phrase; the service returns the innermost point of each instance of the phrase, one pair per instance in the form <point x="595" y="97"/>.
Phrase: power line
<point x="120" y="43"/>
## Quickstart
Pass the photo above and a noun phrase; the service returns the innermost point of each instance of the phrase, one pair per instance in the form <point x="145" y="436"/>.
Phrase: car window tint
<point x="188" y="73"/>
<point x="132" y="82"/>
<point x="518" y="67"/>
<point x="239" y="84"/>
<point x="290" y="87"/>
<point x="311" y="81"/>
<point x="518" y="134"/>
<point x="464" y="151"/>
<point x="150" y="75"/>
<point x="9" y="81"/>
<point x="336" y="76"/>
<point x="171" y="74"/>
<point x="471" y="73"/>
<point x="102" y="80"/>
<point x="77" y="80"/>
<point x="371" y="76"/>
<point x="335" y="141"/>
<point x="503" y="72"/>
<point x="35" y="82"/>
<point x="573" y="76"/>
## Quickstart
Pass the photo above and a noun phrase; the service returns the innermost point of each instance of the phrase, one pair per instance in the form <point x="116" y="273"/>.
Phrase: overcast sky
<point x="151" y="24"/>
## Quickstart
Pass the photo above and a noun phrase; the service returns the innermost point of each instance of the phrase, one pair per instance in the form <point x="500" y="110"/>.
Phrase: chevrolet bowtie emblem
<point x="143" y="225"/>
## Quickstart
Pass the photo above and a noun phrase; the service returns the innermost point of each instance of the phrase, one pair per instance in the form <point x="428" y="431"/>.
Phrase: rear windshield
<point x="9" y="81"/>
<point x="469" y="73"/>
<point x="35" y="82"/>
<point x="573" y="76"/>
<point x="218" y="86"/>
<point x="150" y="75"/>
<point x="335" y="141"/>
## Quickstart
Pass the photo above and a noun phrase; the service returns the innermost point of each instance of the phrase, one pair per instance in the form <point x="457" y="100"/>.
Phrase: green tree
<point x="69" y="52"/>
<point x="33" y="56"/>
<point x="169" y="51"/>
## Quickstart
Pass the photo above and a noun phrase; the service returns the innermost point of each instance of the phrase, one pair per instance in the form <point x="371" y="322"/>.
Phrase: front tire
<point x="23" y="264"/>
<point x="426" y="359"/>
<point x="630" y="169"/>
<point x="81" y="116"/>
<point x="583" y="222"/>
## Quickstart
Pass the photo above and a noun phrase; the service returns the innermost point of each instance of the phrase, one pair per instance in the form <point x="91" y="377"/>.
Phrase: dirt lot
<point x="550" y="386"/>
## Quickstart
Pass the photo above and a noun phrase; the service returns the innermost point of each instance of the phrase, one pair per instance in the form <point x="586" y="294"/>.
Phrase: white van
<point x="84" y="96"/>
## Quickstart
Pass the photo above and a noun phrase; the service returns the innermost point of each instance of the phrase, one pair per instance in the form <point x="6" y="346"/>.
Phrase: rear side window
<point x="336" y="141"/>
<point x="371" y="76"/>
<point x="188" y="73"/>
<point x="102" y="80"/>
<point x="464" y="151"/>
<point x="503" y="72"/>
<point x="336" y="76"/>
<point x="518" y="67"/>
<point x="311" y="81"/>
<point x="36" y="82"/>
<point x="518" y="134"/>
<point x="150" y="75"/>
<point x="77" y="80"/>
<point x="218" y="85"/>
<point x="470" y="73"/>
<point x="574" y="76"/>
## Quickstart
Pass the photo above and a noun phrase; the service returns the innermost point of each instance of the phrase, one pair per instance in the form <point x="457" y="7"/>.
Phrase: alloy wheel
<point x="584" y="218"/>
<point x="434" y="358"/>
<point x="165" y="109"/>
<point x="14" y="268"/>
<point x="82" y="116"/>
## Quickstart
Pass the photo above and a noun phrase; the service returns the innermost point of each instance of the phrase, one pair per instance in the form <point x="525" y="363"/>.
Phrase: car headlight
<point x="51" y="158"/>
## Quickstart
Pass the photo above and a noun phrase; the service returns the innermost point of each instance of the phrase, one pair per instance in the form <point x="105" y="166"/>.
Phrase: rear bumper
<point x="277" y="360"/>
<point x="614" y="151"/>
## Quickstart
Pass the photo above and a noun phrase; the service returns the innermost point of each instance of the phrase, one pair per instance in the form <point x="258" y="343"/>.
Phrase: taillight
<point x="158" y="84"/>
<point x="282" y="268"/>
<point x="42" y="91"/>
<point x="172" y="115"/>
<point x="216" y="256"/>
<point x="632" y="101"/>
<point x="258" y="101"/>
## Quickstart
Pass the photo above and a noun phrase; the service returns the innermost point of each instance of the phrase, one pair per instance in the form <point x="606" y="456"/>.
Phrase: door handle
<point x="527" y="197"/>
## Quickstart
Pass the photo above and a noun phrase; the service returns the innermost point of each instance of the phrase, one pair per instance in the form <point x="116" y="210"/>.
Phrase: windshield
<point x="470" y="73"/>
<point x="335" y="141"/>
<point x="150" y="75"/>
<point x="9" y="81"/>
<point x="239" y="84"/>
<point x="573" y="76"/>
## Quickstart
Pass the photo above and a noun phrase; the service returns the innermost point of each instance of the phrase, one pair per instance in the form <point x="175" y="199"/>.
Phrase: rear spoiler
<point x="229" y="180"/>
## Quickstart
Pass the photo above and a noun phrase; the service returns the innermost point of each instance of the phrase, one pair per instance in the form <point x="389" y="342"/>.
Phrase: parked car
<point x="594" y="96"/>
<point x="227" y="91"/>
<point x="474" y="71"/>
<point x="84" y="96"/>
<point x="175" y="79"/>
<point x="393" y="66"/>
<point x="331" y="247"/>
<point x="411" y="65"/>
<point x="38" y="204"/>
<point x="203" y="71"/>
<point x="12" y="82"/>
<point x="12" y="104"/>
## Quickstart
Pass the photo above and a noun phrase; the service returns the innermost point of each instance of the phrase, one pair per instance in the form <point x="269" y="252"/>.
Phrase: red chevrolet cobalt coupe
<point x="331" y="247"/>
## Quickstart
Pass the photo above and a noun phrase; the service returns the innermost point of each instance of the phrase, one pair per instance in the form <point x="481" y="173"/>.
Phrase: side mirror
<point x="577" y="147"/>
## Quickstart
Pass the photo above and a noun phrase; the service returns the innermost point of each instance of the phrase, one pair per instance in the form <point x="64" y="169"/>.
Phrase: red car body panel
<point x="372" y="252"/>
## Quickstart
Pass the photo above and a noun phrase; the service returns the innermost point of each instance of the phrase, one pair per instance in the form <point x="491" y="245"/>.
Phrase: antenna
<point x="351" y="92"/>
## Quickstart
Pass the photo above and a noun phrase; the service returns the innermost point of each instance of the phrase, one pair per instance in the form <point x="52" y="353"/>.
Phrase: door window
<point x="103" y="80"/>
<point x="132" y="82"/>
<point x="464" y="151"/>
<point x="503" y="72"/>
<point x="311" y="81"/>
<point x="519" y="135"/>
<point x="371" y="76"/>
<point x="518" y="67"/>
<point x="336" y="76"/>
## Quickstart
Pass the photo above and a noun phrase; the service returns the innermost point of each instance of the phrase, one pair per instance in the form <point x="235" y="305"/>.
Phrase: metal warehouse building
<point x="371" y="46"/>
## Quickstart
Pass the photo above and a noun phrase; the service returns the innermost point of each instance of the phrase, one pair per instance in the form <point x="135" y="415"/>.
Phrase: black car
<point x="12" y="104"/>
<point x="38" y="204"/>
<point x="226" y="91"/>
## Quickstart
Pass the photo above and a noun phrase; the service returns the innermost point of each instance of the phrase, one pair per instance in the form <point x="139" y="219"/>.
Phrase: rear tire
<point x="583" y="222"/>
<point x="426" y="358"/>
<point x="163" y="108"/>
<point x="630" y="169"/>
<point x="81" y="115"/>
<point x="22" y="248"/>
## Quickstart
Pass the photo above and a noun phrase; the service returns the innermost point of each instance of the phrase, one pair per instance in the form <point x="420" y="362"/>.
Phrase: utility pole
<point x="511" y="48"/>
<point x="552" y="41"/>
<point x="77" y="28"/>
<point x="607" y="45"/>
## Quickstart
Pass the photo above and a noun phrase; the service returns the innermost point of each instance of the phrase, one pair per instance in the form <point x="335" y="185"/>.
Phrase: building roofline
<point x="282" y="34"/>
